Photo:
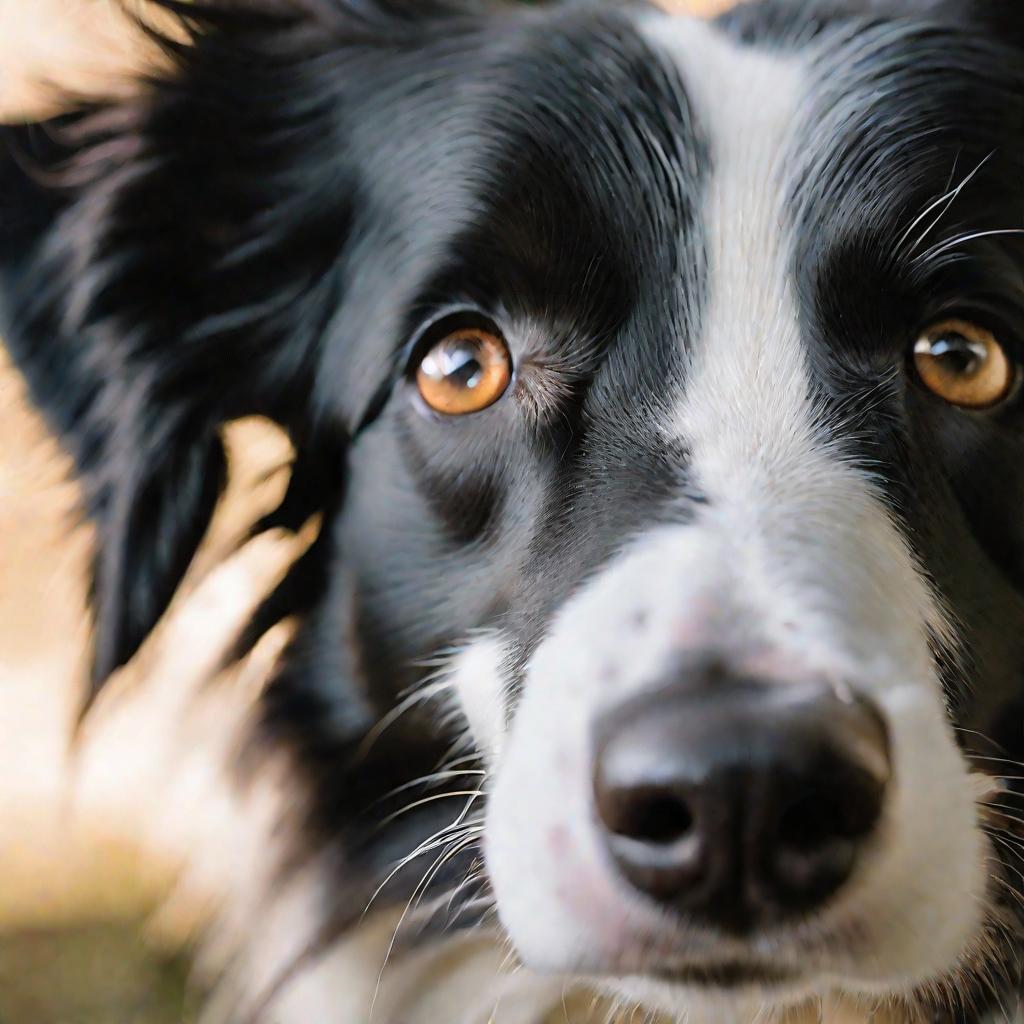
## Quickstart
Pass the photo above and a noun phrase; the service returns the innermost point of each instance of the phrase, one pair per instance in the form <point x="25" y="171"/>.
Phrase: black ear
<point x="85" y="313"/>
<point x="167" y="264"/>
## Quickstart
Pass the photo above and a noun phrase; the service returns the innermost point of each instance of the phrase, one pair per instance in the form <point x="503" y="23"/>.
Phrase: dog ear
<point x="169" y="263"/>
<point x="88" y="286"/>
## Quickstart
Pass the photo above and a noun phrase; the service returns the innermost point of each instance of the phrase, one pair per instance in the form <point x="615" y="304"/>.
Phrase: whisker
<point x="420" y="695"/>
<point x="940" y="249"/>
<point x="439" y="838"/>
<point x="425" y="881"/>
<point x="1010" y="811"/>
<point x="948" y="199"/>
<point x="475" y="875"/>
<point x="461" y="845"/>
<point x="473" y="794"/>
<point x="439" y="776"/>
<point x="990" y="759"/>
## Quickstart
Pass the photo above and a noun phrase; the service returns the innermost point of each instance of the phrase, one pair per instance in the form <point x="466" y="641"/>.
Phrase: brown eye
<point x="964" y="365"/>
<point x="465" y="372"/>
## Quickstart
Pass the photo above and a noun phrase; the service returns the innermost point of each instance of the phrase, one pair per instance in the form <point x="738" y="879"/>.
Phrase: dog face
<point x="658" y="383"/>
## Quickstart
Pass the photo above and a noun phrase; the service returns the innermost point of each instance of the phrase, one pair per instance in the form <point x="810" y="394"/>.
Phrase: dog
<point x="655" y="385"/>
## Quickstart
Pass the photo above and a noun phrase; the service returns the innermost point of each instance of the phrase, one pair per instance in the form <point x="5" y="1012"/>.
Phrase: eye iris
<point x="465" y="373"/>
<point x="964" y="365"/>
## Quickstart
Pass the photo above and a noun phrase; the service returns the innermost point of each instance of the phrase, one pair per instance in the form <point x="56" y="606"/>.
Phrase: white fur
<point x="475" y="676"/>
<point x="794" y="567"/>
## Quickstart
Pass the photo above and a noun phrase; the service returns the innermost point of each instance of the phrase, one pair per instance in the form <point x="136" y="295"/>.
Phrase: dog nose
<point x="740" y="803"/>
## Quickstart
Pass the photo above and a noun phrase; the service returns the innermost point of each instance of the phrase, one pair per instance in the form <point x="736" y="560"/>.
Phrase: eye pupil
<point x="960" y="355"/>
<point x="461" y="364"/>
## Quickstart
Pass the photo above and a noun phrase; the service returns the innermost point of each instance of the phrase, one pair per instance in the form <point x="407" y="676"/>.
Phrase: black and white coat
<point x="710" y="249"/>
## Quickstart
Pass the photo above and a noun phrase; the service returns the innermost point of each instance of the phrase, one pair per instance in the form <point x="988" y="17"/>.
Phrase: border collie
<point x="656" y="385"/>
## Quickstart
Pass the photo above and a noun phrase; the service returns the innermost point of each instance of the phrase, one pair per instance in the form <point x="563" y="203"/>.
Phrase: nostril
<point x="817" y="837"/>
<point x="652" y="816"/>
<point x="654" y="837"/>
<point x="847" y="807"/>
<point x="811" y="822"/>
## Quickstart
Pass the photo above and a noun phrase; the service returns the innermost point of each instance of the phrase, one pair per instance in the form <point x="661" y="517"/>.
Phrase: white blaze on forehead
<point x="797" y="516"/>
<point x="744" y="414"/>
<point x="747" y="339"/>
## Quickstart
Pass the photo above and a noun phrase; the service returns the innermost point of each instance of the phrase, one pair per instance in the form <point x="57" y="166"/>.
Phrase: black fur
<point x="267" y="229"/>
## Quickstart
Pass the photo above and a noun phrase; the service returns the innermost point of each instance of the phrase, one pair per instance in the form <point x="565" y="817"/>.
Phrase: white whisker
<point x="941" y="248"/>
<point x="946" y="202"/>
<point x="421" y="886"/>
<point x="473" y="795"/>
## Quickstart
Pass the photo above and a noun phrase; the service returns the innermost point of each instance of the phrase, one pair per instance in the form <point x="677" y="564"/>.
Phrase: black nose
<point x="740" y="803"/>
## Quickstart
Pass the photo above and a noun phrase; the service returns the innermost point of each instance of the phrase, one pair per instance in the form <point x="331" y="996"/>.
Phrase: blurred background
<point x="78" y="943"/>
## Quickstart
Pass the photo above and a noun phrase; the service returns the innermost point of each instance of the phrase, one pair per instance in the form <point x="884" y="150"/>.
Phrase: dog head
<point x="658" y="380"/>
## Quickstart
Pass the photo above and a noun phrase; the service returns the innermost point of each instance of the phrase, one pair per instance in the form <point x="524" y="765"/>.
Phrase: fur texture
<point x="710" y="249"/>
